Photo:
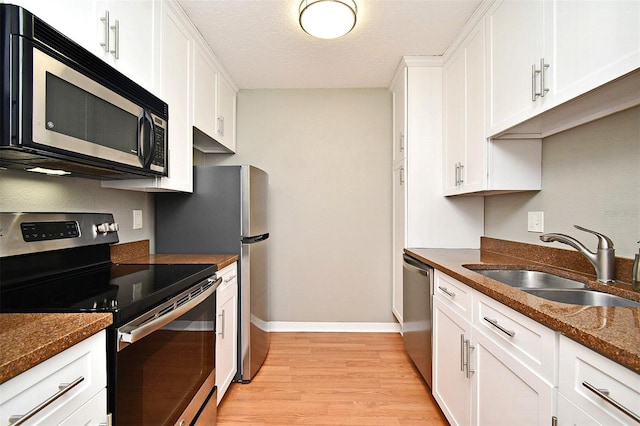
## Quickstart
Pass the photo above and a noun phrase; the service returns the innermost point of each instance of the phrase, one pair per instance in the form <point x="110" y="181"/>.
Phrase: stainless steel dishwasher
<point x="417" y="309"/>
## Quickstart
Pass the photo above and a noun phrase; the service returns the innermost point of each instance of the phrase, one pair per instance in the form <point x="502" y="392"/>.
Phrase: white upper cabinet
<point x="594" y="42"/>
<point x="473" y="163"/>
<point x="174" y="80"/>
<point x="399" y="90"/>
<point x="515" y="49"/>
<point x="119" y="32"/>
<point x="465" y="147"/>
<point x="214" y="105"/>
<point x="542" y="53"/>
<point x="126" y="27"/>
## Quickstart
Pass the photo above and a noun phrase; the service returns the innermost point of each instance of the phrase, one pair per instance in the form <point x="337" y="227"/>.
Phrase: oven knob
<point x="105" y="228"/>
<point x="102" y="228"/>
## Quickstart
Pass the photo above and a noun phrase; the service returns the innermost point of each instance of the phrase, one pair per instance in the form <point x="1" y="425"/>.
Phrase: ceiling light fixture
<point x="328" y="18"/>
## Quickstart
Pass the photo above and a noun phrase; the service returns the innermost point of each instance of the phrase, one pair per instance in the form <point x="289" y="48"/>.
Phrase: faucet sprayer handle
<point x="604" y="242"/>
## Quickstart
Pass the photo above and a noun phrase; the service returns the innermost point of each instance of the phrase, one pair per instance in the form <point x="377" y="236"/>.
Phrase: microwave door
<point x="73" y="113"/>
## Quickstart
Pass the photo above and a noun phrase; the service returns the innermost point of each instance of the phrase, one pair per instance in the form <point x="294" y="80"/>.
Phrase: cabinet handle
<point x="401" y="175"/>
<point x="231" y="278"/>
<point x="604" y="394"/>
<point x="17" y="420"/>
<point x="468" y="347"/>
<point x="543" y="68"/>
<point x="457" y="173"/>
<point x="494" y="323"/>
<point x="446" y="291"/>
<point x="401" y="141"/>
<point x="462" y="352"/>
<point x="221" y="333"/>
<point x="534" y="91"/>
<point x="105" y="20"/>
<point x="116" y="40"/>
<point x="534" y="73"/>
<point x="221" y="125"/>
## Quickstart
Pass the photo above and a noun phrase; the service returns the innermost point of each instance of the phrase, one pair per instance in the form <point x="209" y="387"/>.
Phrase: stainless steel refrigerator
<point x="227" y="213"/>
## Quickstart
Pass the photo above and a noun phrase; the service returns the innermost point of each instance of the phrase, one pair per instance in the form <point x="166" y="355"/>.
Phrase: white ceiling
<point x="262" y="45"/>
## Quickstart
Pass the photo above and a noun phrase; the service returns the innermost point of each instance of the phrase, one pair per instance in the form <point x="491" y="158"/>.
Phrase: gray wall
<point x="30" y="192"/>
<point x="590" y="177"/>
<point x="328" y="154"/>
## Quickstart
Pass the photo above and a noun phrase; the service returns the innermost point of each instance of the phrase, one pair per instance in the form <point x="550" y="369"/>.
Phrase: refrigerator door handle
<point x="256" y="239"/>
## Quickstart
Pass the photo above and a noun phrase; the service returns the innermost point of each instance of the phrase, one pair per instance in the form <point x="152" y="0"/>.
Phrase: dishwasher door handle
<point x="415" y="266"/>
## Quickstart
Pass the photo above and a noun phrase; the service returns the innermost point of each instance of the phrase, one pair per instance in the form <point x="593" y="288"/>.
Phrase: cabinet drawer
<point x="453" y="293"/>
<point x="84" y="363"/>
<point x="229" y="274"/>
<point x="581" y="367"/>
<point x="526" y="340"/>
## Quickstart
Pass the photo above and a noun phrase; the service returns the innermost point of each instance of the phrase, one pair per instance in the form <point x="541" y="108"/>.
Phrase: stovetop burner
<point x="60" y="262"/>
<point x="122" y="289"/>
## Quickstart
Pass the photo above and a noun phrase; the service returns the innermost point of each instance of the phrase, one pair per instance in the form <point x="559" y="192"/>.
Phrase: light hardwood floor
<point x="332" y="379"/>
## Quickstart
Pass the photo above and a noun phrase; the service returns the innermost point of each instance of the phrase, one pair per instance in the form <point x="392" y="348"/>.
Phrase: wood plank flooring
<point x="332" y="379"/>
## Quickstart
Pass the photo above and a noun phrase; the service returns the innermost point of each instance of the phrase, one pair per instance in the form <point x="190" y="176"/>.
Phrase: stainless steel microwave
<point x="66" y="111"/>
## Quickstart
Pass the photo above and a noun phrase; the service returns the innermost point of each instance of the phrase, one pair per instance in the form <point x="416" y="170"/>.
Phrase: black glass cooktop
<point x="122" y="289"/>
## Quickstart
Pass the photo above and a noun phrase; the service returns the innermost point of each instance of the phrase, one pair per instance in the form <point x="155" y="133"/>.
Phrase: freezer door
<point x="254" y="201"/>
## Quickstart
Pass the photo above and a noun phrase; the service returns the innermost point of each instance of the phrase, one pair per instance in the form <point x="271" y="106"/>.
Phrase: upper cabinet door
<point x="225" y="113"/>
<point x="515" y="38"/>
<point x="214" y="104"/>
<point x="130" y="37"/>
<point x="399" y="90"/>
<point x="204" y="93"/>
<point x="595" y="42"/>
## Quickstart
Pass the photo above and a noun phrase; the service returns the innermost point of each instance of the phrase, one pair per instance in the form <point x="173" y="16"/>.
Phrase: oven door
<point x="164" y="362"/>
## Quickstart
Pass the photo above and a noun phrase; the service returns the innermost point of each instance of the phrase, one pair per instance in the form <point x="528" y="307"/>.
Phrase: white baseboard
<point x="335" y="327"/>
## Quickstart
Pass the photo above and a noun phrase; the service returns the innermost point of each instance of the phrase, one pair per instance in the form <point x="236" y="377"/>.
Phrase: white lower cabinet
<point x="595" y="390"/>
<point x="483" y="376"/>
<point x="226" y="329"/>
<point x="506" y="392"/>
<point x="75" y="379"/>
<point x="451" y="386"/>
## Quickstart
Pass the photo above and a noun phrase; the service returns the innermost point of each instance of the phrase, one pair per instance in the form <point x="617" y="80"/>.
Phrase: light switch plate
<point x="535" y="222"/>
<point x="137" y="219"/>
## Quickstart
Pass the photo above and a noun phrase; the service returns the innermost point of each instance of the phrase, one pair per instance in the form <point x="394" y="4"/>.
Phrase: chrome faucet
<point x="603" y="260"/>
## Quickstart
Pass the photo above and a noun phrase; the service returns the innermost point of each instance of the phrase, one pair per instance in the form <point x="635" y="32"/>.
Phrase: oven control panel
<point x="30" y="233"/>
<point x="44" y="231"/>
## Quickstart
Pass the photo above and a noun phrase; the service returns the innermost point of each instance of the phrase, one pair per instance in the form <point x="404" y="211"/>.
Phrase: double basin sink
<point x="555" y="288"/>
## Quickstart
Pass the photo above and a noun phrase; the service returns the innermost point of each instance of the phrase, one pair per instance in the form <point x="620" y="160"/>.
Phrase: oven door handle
<point x="130" y="336"/>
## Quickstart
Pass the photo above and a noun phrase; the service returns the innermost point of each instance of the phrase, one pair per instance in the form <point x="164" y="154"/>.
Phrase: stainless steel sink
<point x="529" y="279"/>
<point x="555" y="288"/>
<point x="582" y="297"/>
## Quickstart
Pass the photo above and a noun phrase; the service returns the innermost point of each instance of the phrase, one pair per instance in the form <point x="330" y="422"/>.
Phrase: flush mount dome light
<point x="328" y="18"/>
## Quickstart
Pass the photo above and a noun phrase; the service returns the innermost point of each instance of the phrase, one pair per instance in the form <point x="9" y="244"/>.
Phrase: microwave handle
<point x="146" y="145"/>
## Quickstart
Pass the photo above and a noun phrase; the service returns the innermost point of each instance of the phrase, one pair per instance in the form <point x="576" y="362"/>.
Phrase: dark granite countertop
<point x="612" y="331"/>
<point x="28" y="339"/>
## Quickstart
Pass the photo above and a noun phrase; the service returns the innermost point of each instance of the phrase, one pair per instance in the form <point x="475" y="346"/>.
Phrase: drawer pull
<point x="17" y="420"/>
<point x="494" y="323"/>
<point x="447" y="292"/>
<point x="604" y="394"/>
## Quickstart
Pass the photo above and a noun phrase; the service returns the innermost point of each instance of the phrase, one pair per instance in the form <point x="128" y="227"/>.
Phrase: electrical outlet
<point x="137" y="219"/>
<point x="535" y="222"/>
